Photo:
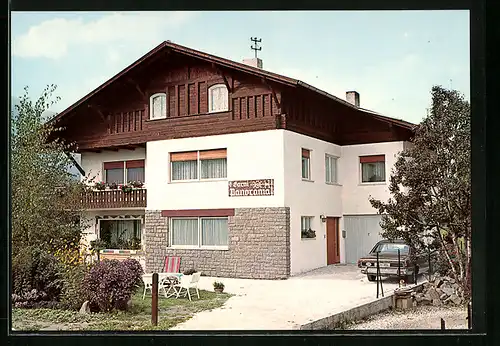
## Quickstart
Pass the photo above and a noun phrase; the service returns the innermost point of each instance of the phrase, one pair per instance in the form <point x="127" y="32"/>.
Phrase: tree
<point x="46" y="210"/>
<point x="430" y="186"/>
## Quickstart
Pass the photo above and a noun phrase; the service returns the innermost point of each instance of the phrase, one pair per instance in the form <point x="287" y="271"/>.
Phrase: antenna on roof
<point x="255" y="47"/>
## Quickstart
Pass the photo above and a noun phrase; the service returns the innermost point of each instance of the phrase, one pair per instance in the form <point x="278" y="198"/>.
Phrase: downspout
<point x="77" y="165"/>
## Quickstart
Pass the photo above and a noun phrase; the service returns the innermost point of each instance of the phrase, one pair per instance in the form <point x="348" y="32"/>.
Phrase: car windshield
<point x="391" y="248"/>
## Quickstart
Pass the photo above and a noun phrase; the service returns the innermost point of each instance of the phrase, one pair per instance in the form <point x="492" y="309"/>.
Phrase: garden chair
<point x="148" y="284"/>
<point x="188" y="282"/>
<point x="172" y="264"/>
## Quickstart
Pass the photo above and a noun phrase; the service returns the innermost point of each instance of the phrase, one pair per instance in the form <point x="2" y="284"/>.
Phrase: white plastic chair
<point x="148" y="284"/>
<point x="188" y="282"/>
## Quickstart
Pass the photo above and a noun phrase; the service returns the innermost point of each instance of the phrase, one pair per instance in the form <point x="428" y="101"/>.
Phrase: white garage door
<point x="362" y="232"/>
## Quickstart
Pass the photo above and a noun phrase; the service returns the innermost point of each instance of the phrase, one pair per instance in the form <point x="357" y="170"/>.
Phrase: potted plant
<point x="126" y="188"/>
<point x="113" y="186"/>
<point x="218" y="286"/>
<point x="101" y="185"/>
<point x="189" y="272"/>
<point x="136" y="184"/>
<point x="308" y="233"/>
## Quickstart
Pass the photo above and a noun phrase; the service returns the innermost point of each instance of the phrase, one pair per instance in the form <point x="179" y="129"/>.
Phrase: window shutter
<point x="113" y="165"/>
<point x="372" y="159"/>
<point x="213" y="154"/>
<point x="135" y="164"/>
<point x="305" y="153"/>
<point x="184" y="156"/>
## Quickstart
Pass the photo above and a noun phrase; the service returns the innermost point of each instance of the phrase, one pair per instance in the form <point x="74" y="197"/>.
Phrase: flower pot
<point x="218" y="290"/>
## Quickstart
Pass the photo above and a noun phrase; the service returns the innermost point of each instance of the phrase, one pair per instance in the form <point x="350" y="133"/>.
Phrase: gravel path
<point x="425" y="317"/>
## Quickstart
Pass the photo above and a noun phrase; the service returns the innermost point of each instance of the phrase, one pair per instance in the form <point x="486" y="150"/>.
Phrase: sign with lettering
<point x="261" y="187"/>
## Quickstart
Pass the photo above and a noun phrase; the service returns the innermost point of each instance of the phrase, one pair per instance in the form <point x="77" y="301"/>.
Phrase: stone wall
<point x="259" y="246"/>
<point x="156" y="240"/>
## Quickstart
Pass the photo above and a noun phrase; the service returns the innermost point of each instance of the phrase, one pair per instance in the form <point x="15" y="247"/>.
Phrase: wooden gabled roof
<point x="232" y="65"/>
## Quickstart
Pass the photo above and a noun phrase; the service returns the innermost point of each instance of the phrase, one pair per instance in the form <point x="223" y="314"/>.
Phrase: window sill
<point x="308" y="238"/>
<point x="334" y="184"/>
<point x="215" y="112"/>
<point x="197" y="181"/>
<point x="374" y="183"/>
<point x="308" y="180"/>
<point x="162" y="118"/>
<point x="216" y="248"/>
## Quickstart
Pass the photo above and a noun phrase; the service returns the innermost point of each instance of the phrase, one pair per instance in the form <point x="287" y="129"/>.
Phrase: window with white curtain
<point x="158" y="106"/>
<point x="372" y="168"/>
<point x="121" y="172"/>
<point x="199" y="165"/>
<point x="305" y="223"/>
<point x="330" y="169"/>
<point x="121" y="234"/>
<point x="203" y="232"/>
<point x="218" y="98"/>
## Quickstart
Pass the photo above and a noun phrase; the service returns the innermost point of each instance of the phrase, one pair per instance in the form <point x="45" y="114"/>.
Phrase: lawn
<point x="171" y="312"/>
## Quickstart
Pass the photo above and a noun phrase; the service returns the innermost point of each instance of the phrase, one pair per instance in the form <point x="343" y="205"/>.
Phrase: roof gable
<point x="270" y="76"/>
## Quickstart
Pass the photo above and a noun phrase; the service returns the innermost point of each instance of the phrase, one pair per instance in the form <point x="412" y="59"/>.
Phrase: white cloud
<point x="52" y="38"/>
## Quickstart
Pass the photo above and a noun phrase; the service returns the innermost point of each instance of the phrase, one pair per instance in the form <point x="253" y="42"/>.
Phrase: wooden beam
<point x="137" y="87"/>
<point x="222" y="74"/>
<point x="275" y="97"/>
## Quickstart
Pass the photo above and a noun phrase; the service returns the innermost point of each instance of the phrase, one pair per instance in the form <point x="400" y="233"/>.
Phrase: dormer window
<point x="218" y="98"/>
<point x="158" y="106"/>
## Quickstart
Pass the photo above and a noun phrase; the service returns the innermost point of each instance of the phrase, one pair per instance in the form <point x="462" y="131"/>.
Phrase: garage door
<point x="362" y="232"/>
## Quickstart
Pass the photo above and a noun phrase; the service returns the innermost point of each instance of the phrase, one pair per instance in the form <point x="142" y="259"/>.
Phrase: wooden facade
<point x="117" y="113"/>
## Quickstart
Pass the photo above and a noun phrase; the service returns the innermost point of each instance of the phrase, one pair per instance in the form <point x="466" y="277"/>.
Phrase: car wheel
<point x="371" y="277"/>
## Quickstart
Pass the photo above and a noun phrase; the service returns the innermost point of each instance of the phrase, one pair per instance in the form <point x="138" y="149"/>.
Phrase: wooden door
<point x="332" y="240"/>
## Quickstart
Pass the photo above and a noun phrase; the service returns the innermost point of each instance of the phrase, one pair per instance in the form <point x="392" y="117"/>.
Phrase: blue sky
<point x="392" y="58"/>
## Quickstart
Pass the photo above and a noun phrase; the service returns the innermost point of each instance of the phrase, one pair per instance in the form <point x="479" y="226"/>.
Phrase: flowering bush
<point x="101" y="185"/>
<point x="35" y="277"/>
<point x="110" y="284"/>
<point x="72" y="294"/>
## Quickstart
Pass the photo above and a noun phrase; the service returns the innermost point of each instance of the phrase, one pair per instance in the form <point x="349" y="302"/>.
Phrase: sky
<point x="392" y="58"/>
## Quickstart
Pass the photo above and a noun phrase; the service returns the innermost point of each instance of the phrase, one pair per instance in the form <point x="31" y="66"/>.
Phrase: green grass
<point x="171" y="312"/>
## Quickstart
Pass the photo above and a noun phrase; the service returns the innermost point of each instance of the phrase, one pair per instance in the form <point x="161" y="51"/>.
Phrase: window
<point x="306" y="222"/>
<point x="120" y="172"/>
<point x="330" y="169"/>
<point x="121" y="234"/>
<point x="195" y="165"/>
<point x="306" y="164"/>
<point x="306" y="230"/>
<point x="158" y="106"/>
<point x="203" y="232"/>
<point x="218" y="98"/>
<point x="372" y="168"/>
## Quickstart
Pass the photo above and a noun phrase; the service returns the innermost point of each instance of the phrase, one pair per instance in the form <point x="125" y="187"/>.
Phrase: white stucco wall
<point x="309" y="198"/>
<point x="250" y="155"/>
<point x="92" y="163"/>
<point x="355" y="195"/>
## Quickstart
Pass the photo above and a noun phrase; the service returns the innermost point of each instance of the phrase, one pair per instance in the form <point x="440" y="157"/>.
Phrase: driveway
<point x="286" y="304"/>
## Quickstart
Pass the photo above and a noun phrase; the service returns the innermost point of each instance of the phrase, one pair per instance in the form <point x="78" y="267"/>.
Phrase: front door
<point x="332" y="240"/>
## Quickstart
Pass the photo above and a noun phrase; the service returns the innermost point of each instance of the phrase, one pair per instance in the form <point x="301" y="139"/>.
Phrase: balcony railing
<point x="110" y="199"/>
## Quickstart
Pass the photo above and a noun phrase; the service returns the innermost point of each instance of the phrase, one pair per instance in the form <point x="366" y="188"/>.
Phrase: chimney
<point x="352" y="97"/>
<point x="254" y="62"/>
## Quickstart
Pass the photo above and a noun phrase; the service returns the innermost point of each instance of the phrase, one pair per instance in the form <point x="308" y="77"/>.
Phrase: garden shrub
<point x="72" y="294"/>
<point x="441" y="265"/>
<point x="110" y="284"/>
<point x="189" y="272"/>
<point x="35" y="277"/>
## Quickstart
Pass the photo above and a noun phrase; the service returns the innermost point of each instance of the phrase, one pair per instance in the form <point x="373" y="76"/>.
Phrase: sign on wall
<point x="261" y="187"/>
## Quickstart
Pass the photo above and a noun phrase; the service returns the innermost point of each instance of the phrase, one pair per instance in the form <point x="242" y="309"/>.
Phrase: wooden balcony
<point x="114" y="199"/>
